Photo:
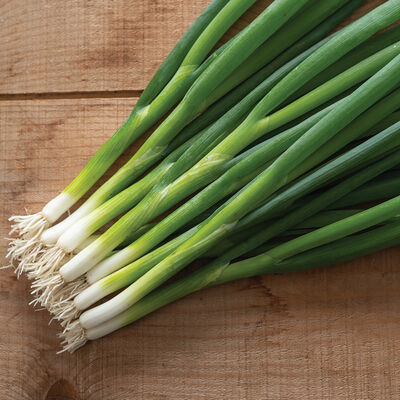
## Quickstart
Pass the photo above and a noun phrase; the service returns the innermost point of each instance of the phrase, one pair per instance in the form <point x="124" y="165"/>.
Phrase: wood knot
<point x="62" y="390"/>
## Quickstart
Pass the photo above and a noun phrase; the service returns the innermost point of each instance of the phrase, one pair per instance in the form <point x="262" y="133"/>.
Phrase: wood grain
<point x="57" y="46"/>
<point x="332" y="333"/>
<point x="91" y="46"/>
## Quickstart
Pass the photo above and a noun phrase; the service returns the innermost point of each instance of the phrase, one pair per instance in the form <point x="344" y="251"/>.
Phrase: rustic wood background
<point x="69" y="74"/>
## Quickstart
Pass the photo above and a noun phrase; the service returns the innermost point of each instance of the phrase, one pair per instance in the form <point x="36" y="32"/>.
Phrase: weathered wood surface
<point x="93" y="45"/>
<point x="330" y="334"/>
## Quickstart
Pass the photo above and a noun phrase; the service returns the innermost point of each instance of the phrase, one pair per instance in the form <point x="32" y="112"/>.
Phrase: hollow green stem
<point x="160" y="199"/>
<point x="131" y="129"/>
<point x="337" y="251"/>
<point x="316" y="204"/>
<point x="270" y="180"/>
<point x="201" y="85"/>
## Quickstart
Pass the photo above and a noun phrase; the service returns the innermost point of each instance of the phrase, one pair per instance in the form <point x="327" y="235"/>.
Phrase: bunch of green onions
<point x="269" y="139"/>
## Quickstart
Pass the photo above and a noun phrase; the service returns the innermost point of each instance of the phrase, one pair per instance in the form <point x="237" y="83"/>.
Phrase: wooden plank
<point x="325" y="334"/>
<point x="80" y="46"/>
<point x="52" y="46"/>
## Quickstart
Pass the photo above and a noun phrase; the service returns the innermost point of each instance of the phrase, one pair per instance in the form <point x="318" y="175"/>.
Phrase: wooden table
<point x="69" y="74"/>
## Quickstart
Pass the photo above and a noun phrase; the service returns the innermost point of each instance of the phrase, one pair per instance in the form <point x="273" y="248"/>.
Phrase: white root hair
<point x="27" y="254"/>
<point x="28" y="225"/>
<point x="62" y="304"/>
<point x="25" y="249"/>
<point x="49" y="263"/>
<point x="64" y="312"/>
<point x="43" y="289"/>
<point x="73" y="337"/>
<point x="22" y="255"/>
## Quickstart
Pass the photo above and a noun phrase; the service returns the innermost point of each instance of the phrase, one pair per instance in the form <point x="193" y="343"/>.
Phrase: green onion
<point x="243" y="45"/>
<point x="178" y="219"/>
<point x="127" y="133"/>
<point x="272" y="134"/>
<point x="227" y="60"/>
<point x="380" y="190"/>
<point x="217" y="157"/>
<point x="308" y="18"/>
<point x="182" y="70"/>
<point x="232" y="180"/>
<point x="385" y="123"/>
<point x="335" y="231"/>
<point x="333" y="170"/>
<point x="183" y="157"/>
<point x="218" y="109"/>
<point x="347" y="162"/>
<point x="110" y="284"/>
<point x="67" y="245"/>
<point x="98" y="290"/>
<point x="265" y="184"/>
<point x="316" y="221"/>
<point x="338" y="251"/>
<point x="361" y="52"/>
<point x="136" y="269"/>
<point x="317" y="203"/>
<point x="335" y="249"/>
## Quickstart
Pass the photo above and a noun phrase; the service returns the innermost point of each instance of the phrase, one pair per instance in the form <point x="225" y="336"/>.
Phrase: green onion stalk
<point x="113" y="307"/>
<point x="122" y="202"/>
<point x="338" y="251"/>
<point x="169" y="84"/>
<point x="324" y="246"/>
<point x="233" y="54"/>
<point x="178" y="190"/>
<point x="238" y="50"/>
<point x="316" y="221"/>
<point x="204" y="78"/>
<point x="331" y="172"/>
<point x="130" y="196"/>
<point x="256" y="124"/>
<point x="203" y="140"/>
<point x="206" y="140"/>
<point x="132" y="128"/>
<point x="346" y="163"/>
<point x="239" y="172"/>
<point x="244" y="168"/>
<point x="317" y="203"/>
<point x="385" y="123"/>
<point x="197" y="100"/>
<point x="63" y="308"/>
<point x="61" y="299"/>
<point x="385" y="188"/>
<point x="363" y="51"/>
<point x="219" y="108"/>
<point x="358" y="157"/>
<point x="303" y="23"/>
<point x="192" y="149"/>
<point x="68" y="242"/>
<point x="381" y="189"/>
<point x="264" y="185"/>
<point x="232" y="180"/>
<point x="223" y="262"/>
<point x="314" y="13"/>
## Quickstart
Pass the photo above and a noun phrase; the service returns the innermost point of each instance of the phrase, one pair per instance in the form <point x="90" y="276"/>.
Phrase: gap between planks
<point x="71" y="95"/>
